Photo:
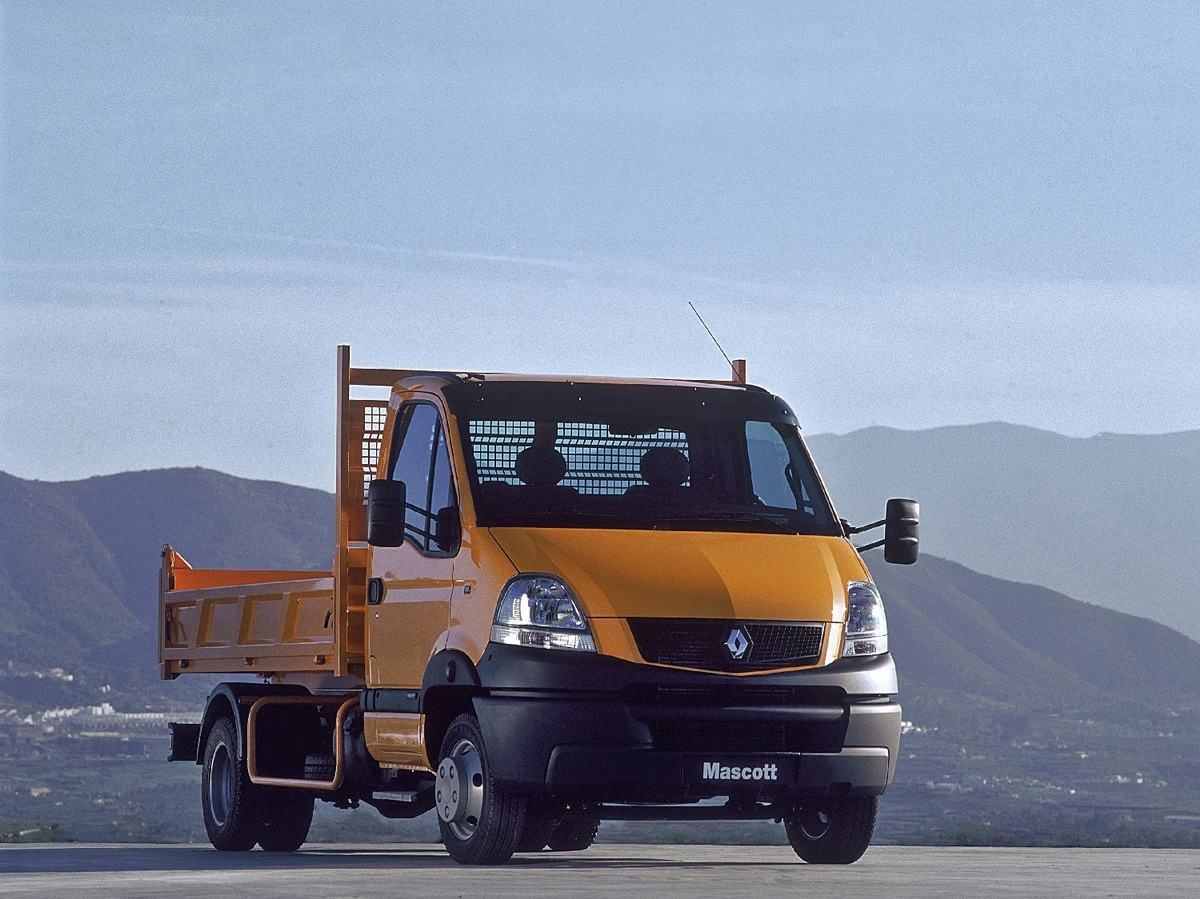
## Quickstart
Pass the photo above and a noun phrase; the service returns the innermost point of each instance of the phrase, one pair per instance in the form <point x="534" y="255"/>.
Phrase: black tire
<point x="833" y="831"/>
<point x="573" y="834"/>
<point x="229" y="800"/>
<point x="481" y="823"/>
<point x="286" y="815"/>
<point x="539" y="824"/>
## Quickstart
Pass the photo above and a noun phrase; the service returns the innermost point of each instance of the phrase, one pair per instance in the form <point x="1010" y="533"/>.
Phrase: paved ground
<point x="664" y="871"/>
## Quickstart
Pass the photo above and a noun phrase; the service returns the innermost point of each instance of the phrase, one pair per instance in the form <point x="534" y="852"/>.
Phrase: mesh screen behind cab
<point x="599" y="462"/>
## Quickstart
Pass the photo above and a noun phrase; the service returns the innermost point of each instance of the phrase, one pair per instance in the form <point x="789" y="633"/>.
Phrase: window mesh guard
<point x="599" y="462"/>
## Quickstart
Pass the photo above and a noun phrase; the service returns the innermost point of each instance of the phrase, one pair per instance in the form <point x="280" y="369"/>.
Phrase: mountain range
<point x="1108" y="519"/>
<point x="78" y="567"/>
<point x="78" y="559"/>
<point x="956" y="630"/>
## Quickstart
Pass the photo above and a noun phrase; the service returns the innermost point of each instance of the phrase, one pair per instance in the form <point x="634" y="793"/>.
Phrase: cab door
<point x="408" y="606"/>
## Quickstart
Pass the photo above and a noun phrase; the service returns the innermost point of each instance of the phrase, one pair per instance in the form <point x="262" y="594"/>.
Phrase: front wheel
<point x="833" y="831"/>
<point x="481" y="823"/>
<point x="231" y="814"/>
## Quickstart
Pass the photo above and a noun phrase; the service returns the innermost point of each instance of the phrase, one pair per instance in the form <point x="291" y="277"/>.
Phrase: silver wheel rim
<point x="458" y="790"/>
<point x="814" y="823"/>
<point x="220" y="785"/>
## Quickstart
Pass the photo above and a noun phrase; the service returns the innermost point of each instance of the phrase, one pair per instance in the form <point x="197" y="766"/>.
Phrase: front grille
<point x="708" y="736"/>
<point x="737" y="693"/>
<point x="702" y="643"/>
<point x="748" y="736"/>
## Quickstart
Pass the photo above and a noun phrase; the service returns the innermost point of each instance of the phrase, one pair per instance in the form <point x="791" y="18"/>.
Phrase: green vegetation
<point x="25" y="832"/>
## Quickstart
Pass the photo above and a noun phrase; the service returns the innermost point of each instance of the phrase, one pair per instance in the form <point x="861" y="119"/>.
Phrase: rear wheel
<point x="573" y="834"/>
<point x="833" y="831"/>
<point x="231" y="814"/>
<point x="286" y="817"/>
<point x="481" y="823"/>
<point x="539" y="824"/>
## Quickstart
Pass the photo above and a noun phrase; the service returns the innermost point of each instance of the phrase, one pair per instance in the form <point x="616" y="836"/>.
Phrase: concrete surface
<point x="56" y="870"/>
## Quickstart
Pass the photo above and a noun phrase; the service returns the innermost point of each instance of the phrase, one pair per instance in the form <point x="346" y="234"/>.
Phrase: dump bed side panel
<point x="232" y="621"/>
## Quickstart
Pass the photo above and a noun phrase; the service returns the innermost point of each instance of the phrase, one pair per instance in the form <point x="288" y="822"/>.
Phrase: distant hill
<point x="953" y="629"/>
<point x="78" y="560"/>
<point x="1107" y="519"/>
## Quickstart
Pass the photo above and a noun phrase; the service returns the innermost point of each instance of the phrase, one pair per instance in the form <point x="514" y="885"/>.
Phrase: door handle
<point x="375" y="591"/>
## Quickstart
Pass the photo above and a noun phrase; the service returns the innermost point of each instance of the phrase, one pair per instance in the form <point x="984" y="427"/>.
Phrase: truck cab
<point x="582" y="599"/>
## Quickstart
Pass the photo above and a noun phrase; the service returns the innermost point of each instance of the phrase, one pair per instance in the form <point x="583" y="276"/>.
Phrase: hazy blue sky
<point x="904" y="214"/>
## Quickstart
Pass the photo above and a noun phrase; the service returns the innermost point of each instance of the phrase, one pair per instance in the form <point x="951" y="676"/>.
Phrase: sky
<point x="902" y="214"/>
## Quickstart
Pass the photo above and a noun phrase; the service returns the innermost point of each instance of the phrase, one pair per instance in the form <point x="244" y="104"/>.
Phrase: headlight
<point x="866" y="623"/>
<point x="539" y="610"/>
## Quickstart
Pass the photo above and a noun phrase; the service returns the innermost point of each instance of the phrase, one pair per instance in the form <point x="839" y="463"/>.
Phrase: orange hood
<point x="692" y="574"/>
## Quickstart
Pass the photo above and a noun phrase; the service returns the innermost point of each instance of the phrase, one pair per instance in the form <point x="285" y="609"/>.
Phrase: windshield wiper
<point x="778" y="519"/>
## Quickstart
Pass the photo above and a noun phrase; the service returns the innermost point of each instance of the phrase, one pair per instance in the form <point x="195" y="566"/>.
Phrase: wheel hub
<point x="814" y="822"/>
<point x="220" y="785"/>
<point x="458" y="789"/>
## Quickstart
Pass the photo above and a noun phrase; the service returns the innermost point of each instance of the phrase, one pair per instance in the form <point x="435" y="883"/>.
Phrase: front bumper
<point x="593" y="728"/>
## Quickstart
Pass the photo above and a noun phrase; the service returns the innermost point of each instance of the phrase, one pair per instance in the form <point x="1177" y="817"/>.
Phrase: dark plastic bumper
<point x="593" y="728"/>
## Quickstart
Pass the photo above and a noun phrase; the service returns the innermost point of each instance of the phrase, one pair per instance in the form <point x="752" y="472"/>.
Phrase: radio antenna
<point x="736" y="366"/>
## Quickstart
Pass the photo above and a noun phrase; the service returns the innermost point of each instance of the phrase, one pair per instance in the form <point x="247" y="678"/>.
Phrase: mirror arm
<point x="419" y="532"/>
<point x="877" y="543"/>
<point x="866" y="527"/>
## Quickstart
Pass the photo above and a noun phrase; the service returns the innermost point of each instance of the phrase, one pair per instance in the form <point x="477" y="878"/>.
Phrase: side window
<point x="423" y="464"/>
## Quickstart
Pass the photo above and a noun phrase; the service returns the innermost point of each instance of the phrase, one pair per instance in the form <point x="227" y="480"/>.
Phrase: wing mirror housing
<point x="386" y="506"/>
<point x="901" y="531"/>
<point x="446" y="529"/>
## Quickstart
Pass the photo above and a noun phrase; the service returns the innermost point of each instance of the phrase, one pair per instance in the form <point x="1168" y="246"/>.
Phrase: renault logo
<point x="738" y="643"/>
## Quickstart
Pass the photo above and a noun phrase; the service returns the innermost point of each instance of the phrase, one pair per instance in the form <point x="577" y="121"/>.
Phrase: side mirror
<point x="901" y="531"/>
<point x="446" y="529"/>
<point x="385" y="513"/>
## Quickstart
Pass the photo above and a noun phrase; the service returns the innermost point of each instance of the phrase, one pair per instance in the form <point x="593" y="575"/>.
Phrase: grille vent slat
<point x="693" y="736"/>
<point x="701" y="643"/>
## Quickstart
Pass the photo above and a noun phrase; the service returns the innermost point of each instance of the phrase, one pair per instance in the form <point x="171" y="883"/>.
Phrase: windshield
<point x="673" y="462"/>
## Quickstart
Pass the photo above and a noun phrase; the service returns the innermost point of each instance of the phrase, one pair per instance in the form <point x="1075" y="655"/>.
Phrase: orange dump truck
<point x="554" y="601"/>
